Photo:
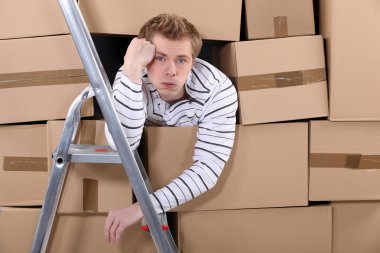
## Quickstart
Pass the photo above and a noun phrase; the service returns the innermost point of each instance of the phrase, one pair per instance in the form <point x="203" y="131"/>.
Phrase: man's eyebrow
<point x="160" y="53"/>
<point x="183" y="56"/>
<point x="178" y="56"/>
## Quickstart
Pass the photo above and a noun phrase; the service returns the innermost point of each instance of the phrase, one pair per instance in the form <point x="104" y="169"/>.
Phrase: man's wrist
<point x="138" y="210"/>
<point x="133" y="72"/>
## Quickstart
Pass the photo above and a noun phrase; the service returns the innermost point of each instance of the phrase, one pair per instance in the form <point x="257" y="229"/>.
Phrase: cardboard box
<point x="71" y="233"/>
<point x="84" y="234"/>
<point x="40" y="78"/>
<point x="352" y="33"/>
<point x="296" y="230"/>
<point x="268" y="166"/>
<point x="126" y="17"/>
<point x="356" y="227"/>
<point x="31" y="18"/>
<point x="279" y="18"/>
<point x="277" y="79"/>
<point x="344" y="161"/>
<point x="23" y="164"/>
<point x="17" y="228"/>
<point x="93" y="188"/>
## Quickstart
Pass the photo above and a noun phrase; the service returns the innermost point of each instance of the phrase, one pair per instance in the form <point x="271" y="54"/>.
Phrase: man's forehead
<point x="178" y="48"/>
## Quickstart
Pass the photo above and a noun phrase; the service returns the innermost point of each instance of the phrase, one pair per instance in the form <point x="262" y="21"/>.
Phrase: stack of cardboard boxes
<point x="279" y="74"/>
<point x="296" y="181"/>
<point x="344" y="155"/>
<point x="40" y="76"/>
<point x="260" y="203"/>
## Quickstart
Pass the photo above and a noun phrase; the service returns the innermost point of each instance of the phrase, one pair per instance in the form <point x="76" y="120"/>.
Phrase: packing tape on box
<point x="40" y="78"/>
<point x="22" y="163"/>
<point x="350" y="161"/>
<point x="280" y="26"/>
<point x="280" y="80"/>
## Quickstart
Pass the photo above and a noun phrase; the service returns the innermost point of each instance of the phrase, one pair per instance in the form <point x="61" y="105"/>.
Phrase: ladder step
<point x="81" y="153"/>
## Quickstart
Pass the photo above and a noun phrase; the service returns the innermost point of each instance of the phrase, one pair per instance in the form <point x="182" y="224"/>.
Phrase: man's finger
<point x="107" y="227"/>
<point x="114" y="227"/>
<point x="118" y="232"/>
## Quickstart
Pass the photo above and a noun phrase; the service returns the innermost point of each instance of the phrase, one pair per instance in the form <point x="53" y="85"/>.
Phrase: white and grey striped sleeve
<point x="128" y="99"/>
<point x="216" y="133"/>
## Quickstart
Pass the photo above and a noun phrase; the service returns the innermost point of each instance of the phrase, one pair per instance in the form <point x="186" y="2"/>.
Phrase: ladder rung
<point x="80" y="153"/>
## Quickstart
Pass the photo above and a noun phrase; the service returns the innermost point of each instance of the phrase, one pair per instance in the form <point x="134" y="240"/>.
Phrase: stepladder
<point x="67" y="152"/>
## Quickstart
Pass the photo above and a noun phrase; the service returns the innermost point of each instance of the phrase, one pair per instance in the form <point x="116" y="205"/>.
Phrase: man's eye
<point x="181" y="61"/>
<point x="160" y="58"/>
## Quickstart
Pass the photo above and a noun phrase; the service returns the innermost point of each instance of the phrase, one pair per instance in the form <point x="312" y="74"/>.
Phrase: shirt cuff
<point x="135" y="86"/>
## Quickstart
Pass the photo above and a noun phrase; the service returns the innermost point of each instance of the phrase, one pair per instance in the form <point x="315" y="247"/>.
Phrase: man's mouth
<point x="168" y="85"/>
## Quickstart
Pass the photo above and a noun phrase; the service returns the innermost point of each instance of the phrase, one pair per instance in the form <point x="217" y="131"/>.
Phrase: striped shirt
<point x="211" y="105"/>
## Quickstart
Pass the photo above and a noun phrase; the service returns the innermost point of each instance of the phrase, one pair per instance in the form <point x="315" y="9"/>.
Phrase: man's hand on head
<point x="139" y="54"/>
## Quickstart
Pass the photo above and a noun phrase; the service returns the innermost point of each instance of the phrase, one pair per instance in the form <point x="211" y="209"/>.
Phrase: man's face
<point x="170" y="67"/>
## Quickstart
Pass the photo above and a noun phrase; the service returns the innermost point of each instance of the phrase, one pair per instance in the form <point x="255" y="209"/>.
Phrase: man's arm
<point x="127" y="95"/>
<point x="216" y="133"/>
<point x="128" y="99"/>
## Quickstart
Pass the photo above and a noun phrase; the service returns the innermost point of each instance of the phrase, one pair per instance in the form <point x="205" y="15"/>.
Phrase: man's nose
<point x="171" y="68"/>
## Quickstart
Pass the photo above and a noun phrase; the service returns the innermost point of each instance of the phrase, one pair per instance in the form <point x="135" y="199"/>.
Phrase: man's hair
<point x="172" y="27"/>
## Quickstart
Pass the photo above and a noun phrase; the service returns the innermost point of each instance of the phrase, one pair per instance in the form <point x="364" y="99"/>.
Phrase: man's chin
<point x="168" y="97"/>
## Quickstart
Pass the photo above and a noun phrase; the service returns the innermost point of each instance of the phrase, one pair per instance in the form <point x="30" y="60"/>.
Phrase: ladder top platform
<point x="84" y="153"/>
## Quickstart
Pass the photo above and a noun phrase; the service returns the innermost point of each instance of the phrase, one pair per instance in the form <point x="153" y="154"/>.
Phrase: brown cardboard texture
<point x="352" y="33"/>
<point x="20" y="18"/>
<point x="267" y="167"/>
<point x="356" y="227"/>
<point x="278" y="18"/>
<point x="84" y="233"/>
<point x="23" y="164"/>
<point x="277" y="79"/>
<point x="17" y="228"/>
<point x="344" y="161"/>
<point x="93" y="188"/>
<point x="39" y="79"/>
<point x="126" y="17"/>
<point x="296" y="230"/>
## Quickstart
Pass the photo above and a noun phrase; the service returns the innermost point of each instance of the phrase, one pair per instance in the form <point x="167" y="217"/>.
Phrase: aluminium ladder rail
<point x="132" y="165"/>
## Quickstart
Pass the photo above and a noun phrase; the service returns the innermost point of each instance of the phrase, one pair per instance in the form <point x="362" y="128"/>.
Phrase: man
<point x="163" y="83"/>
